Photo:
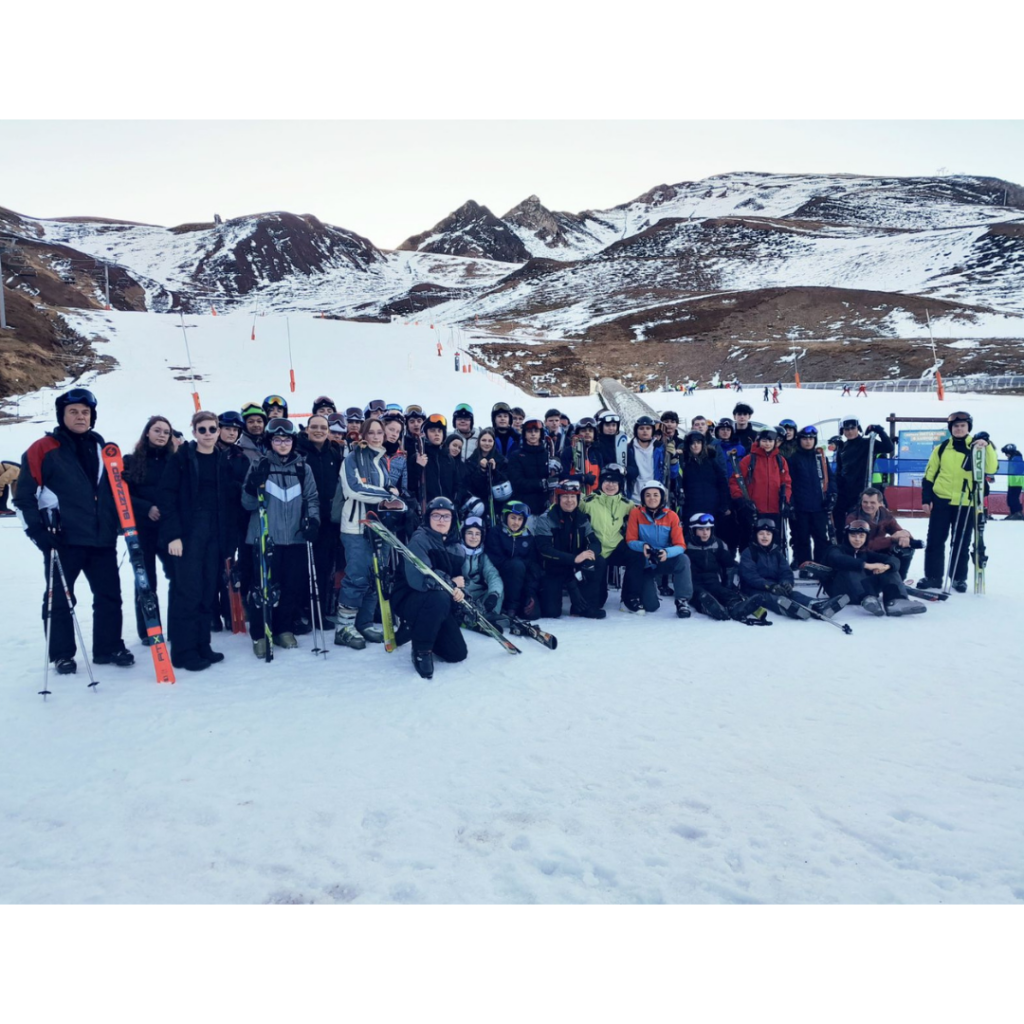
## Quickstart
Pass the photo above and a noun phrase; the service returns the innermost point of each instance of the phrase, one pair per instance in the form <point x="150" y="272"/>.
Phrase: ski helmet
<point x="324" y="402"/>
<point x="231" y="419"/>
<point x="961" y="417"/>
<point x="858" y="526"/>
<point x="500" y="407"/>
<point x="725" y="422"/>
<point x="414" y="410"/>
<point x="662" y="490"/>
<point x="768" y="434"/>
<point x="569" y="486"/>
<point x="586" y="423"/>
<point x="336" y="422"/>
<point x="765" y="524"/>
<point x="472" y="521"/>
<point x="783" y="424"/>
<point x="519" y="508"/>
<point x="533" y="424"/>
<point x="472" y="506"/>
<point x="274" y="402"/>
<point x="702" y="519"/>
<point x="76" y="396"/>
<point x="809" y="431"/>
<point x="614" y="472"/>
<point x="378" y="405"/>
<point x="462" y="411"/>
<point x="608" y="416"/>
<point x="643" y="421"/>
<point x="436" y="421"/>
<point x="353" y="414"/>
<point x="439" y="504"/>
<point x="850" y="423"/>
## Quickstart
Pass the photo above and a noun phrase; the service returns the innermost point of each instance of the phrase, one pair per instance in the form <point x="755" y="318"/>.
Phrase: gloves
<point x="490" y="602"/>
<point x="781" y="589"/>
<point x="258" y="476"/>
<point x="874" y="428"/>
<point x="983" y="435"/>
<point x="311" y="530"/>
<point x="589" y="479"/>
<point x="554" y="466"/>
<point x="42" y="538"/>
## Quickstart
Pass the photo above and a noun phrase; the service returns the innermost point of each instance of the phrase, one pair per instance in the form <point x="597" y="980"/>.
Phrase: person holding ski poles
<point x="293" y="518"/>
<point x="198" y="532"/>
<point x="948" y="496"/>
<point x="70" y="515"/>
<point x="365" y="483"/>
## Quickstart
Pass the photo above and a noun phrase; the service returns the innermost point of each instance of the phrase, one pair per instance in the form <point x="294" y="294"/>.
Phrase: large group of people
<point x="516" y="514"/>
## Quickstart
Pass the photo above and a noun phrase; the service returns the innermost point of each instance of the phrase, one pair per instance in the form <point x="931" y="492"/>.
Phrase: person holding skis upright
<point x="592" y="459"/>
<point x="433" y="615"/>
<point x="323" y="460"/>
<point x="365" y="483"/>
<point x="948" y="496"/>
<point x="69" y="511"/>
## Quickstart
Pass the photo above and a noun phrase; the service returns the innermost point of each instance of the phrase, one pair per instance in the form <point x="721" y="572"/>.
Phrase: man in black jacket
<point x="68" y="507"/>
<point x="852" y="471"/>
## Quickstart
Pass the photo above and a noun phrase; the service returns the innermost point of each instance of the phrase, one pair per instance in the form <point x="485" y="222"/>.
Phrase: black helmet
<point x="439" y="504"/>
<point x="282" y="426"/>
<point x="850" y="423"/>
<point x="768" y="434"/>
<point x="76" y="396"/>
<point x="725" y="422"/>
<point x="765" y="524"/>
<point x="274" y="402"/>
<point x="231" y="419"/>
<point x="323" y="400"/>
<point x="809" y="431"/>
<point x="643" y="421"/>
<point x="961" y="417"/>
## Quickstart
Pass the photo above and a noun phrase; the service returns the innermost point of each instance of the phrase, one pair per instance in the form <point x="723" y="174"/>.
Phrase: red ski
<point x="143" y="591"/>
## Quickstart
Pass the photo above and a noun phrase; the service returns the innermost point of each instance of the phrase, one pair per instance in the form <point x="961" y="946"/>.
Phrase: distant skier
<point x="846" y="391"/>
<point x="765" y="396"/>
<point x="775" y="396"/>
<point x="862" y="390"/>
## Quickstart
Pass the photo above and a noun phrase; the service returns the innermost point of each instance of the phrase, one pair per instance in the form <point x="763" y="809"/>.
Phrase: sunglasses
<point x="207" y="430"/>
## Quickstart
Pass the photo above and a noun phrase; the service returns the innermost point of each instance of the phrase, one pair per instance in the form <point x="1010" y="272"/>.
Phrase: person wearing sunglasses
<point x="852" y="471"/>
<point x="293" y="519"/>
<point x="365" y="483"/>
<point x="144" y="469"/>
<point x="198" y="531"/>
<point x="569" y="552"/>
<point x="948" y="496"/>
<point x="67" y="504"/>
<point x="323" y="459"/>
<point x="431" y="613"/>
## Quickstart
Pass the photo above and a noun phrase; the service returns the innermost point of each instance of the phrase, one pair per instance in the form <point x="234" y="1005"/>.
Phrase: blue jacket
<point x="810" y="493"/>
<point x="759" y="569"/>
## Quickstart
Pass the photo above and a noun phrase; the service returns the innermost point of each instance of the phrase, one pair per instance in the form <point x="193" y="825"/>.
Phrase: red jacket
<point x="764" y="474"/>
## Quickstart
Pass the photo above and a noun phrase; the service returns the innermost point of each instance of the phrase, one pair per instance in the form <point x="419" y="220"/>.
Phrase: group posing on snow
<point x="394" y="527"/>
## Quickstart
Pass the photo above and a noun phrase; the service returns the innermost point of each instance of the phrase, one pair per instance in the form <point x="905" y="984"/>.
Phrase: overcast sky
<point x="388" y="180"/>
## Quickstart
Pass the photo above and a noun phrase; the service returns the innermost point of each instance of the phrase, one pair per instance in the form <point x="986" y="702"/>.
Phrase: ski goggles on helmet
<point x="959" y="417"/>
<point x="463" y="409"/>
<point x="858" y="526"/>
<point x="275" y="400"/>
<point x="283" y="427"/>
<point x="414" y="410"/>
<point x="533" y="425"/>
<point x="377" y="405"/>
<point x="850" y="425"/>
<point x="353" y="413"/>
<point x="393" y="416"/>
<point x="436" y="419"/>
<point x="231" y="420"/>
<point x="79" y="396"/>
<point x="568" y="487"/>
<point x="336" y="422"/>
<point x="702" y="519"/>
<point x="809" y="432"/>
<point x="609" y="417"/>
<point x="587" y="423"/>
<point x="518" y="508"/>
<point x="788" y="423"/>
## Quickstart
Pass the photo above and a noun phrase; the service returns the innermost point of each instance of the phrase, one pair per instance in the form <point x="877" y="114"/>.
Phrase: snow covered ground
<point x="645" y="761"/>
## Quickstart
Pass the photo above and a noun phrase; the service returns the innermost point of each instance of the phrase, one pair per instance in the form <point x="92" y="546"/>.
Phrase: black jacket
<point x="177" y="499"/>
<point x="144" y="492"/>
<point x="711" y="563"/>
<point x="528" y="474"/>
<point x="561" y="536"/>
<point x="475" y="480"/>
<point x="852" y="462"/>
<point x="69" y="468"/>
<point x="325" y="464"/>
<point x="705" y="485"/>
<point x="441" y="473"/>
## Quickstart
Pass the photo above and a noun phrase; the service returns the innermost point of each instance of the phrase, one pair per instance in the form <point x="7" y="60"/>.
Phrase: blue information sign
<point x="917" y="445"/>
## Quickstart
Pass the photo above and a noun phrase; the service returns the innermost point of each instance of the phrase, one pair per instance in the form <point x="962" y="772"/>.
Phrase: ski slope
<point x="647" y="760"/>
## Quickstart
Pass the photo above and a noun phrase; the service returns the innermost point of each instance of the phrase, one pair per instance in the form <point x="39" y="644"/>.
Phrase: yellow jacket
<point x="945" y="472"/>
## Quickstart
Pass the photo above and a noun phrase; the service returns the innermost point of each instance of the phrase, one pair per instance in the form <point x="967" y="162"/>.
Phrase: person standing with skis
<point x="69" y="512"/>
<point x="293" y="518"/>
<point x="197" y="530"/>
<point x="324" y="460"/>
<point x="853" y="473"/>
<point x="948" y="496"/>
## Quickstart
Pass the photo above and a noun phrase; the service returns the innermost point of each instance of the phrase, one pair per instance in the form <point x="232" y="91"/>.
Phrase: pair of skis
<point x="519" y="627"/>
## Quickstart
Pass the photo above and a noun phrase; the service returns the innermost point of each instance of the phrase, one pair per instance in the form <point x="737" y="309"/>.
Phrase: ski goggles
<point x="79" y="396"/>
<point x="436" y="419"/>
<point x="277" y="400"/>
<point x="377" y="405"/>
<point x="702" y="519"/>
<point x="850" y="425"/>
<point x="414" y="410"/>
<point x="809" y="432"/>
<point x="393" y="416"/>
<point x="533" y="425"/>
<point x="959" y="417"/>
<point x="283" y="427"/>
<point x="568" y="487"/>
<point x="463" y="409"/>
<point x="587" y="423"/>
<point x="352" y="413"/>
<point x="610" y="418"/>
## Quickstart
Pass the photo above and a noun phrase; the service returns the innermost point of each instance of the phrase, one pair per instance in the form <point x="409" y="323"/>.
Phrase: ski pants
<point x="325" y="550"/>
<point x="151" y="551"/>
<point x="770" y="601"/>
<point x="808" y="526"/>
<point x="642" y="577"/>
<point x="1013" y="500"/>
<point x="433" y="623"/>
<point x="860" y="584"/>
<point x="617" y="557"/>
<point x="358" y="589"/>
<point x="194" y="597"/>
<point x="100" y="568"/>
<point x="583" y="594"/>
<point x="521" y="577"/>
<point x="942" y="523"/>
<point x="725" y="596"/>
<point x="288" y="578"/>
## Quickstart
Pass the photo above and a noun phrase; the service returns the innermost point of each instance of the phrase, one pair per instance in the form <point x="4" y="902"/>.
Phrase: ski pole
<point x="956" y="542"/>
<point x="844" y="626"/>
<point x="44" y="692"/>
<point x="319" y="646"/>
<point x="74" y="618"/>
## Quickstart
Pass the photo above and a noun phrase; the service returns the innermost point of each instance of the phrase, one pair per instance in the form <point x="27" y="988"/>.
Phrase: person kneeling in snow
<point x="654" y="537"/>
<point x="868" y="578"/>
<point x="433" y="615"/>
<point x="512" y="550"/>
<point x="483" y="581"/>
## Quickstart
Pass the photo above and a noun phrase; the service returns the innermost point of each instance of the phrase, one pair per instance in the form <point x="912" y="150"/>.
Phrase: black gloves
<point x="311" y="530"/>
<point x="42" y="538"/>
<point x="781" y="589"/>
<point x="490" y="602"/>
<point x="830" y="501"/>
<point x="983" y="435"/>
<point x="874" y="428"/>
<point x="258" y="476"/>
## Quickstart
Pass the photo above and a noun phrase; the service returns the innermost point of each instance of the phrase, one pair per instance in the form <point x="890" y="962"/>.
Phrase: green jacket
<point x="608" y="514"/>
<point x="945" y="473"/>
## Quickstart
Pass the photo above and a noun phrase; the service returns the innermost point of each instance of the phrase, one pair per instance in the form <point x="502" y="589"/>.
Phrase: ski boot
<point x="285" y="640"/>
<point x="346" y="635"/>
<point x="899" y="606"/>
<point x="682" y="608"/>
<point x="873" y="606"/>
<point x="65" y="666"/>
<point x="928" y="583"/>
<point x="122" y="658"/>
<point x="711" y="606"/>
<point x="960" y="586"/>
<point x="632" y="605"/>
<point x="829" y="607"/>
<point x="259" y="648"/>
<point x="373" y="633"/>
<point x="207" y="653"/>
<point x="424" y="663"/>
